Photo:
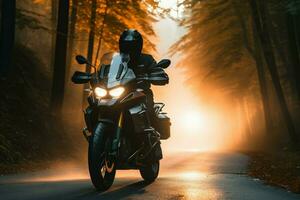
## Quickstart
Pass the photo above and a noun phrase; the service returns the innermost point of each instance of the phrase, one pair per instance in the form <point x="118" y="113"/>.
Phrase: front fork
<point x="116" y="140"/>
<point x="113" y="147"/>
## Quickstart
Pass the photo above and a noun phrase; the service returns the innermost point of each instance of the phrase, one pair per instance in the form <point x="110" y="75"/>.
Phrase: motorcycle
<point x="119" y="131"/>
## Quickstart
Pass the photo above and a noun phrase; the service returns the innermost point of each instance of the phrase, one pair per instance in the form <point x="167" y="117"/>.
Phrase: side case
<point x="163" y="126"/>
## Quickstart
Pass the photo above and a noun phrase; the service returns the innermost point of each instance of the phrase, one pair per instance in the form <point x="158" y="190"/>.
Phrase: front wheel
<point x="150" y="171"/>
<point x="102" y="170"/>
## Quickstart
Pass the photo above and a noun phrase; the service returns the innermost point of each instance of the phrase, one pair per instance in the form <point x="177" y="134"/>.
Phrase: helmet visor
<point x="128" y="47"/>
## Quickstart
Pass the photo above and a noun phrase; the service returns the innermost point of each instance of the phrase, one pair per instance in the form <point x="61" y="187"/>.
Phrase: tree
<point x="214" y="41"/>
<point x="250" y="34"/>
<point x="101" y="31"/>
<point x="293" y="22"/>
<point x="72" y="34"/>
<point x="111" y="21"/>
<point x="90" y="48"/>
<point x="59" y="67"/>
<point x="230" y="46"/>
<point x="8" y="15"/>
<point x="259" y="18"/>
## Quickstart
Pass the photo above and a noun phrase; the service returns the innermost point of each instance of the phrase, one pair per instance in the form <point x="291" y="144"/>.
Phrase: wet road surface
<point x="186" y="175"/>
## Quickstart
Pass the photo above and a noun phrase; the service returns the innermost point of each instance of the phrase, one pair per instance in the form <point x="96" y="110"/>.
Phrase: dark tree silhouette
<point x="72" y="31"/>
<point x="59" y="68"/>
<point x="91" y="34"/>
<point x="256" y="53"/>
<point x="259" y="17"/>
<point x="8" y="15"/>
<point x="90" y="48"/>
<point x="293" y="23"/>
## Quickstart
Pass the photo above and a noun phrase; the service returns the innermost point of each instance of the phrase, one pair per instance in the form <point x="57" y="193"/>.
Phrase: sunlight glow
<point x="193" y="121"/>
<point x="192" y="176"/>
<point x="200" y="118"/>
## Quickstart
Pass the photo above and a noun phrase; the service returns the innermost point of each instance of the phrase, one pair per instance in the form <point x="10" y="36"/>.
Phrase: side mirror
<point x="81" y="77"/>
<point x="164" y="63"/>
<point x="81" y="59"/>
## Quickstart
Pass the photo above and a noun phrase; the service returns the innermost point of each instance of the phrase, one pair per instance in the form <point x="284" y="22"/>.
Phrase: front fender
<point x="106" y="131"/>
<point x="113" y="132"/>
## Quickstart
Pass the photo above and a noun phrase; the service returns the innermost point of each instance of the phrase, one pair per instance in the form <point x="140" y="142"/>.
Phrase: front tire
<point x="150" y="171"/>
<point x="102" y="171"/>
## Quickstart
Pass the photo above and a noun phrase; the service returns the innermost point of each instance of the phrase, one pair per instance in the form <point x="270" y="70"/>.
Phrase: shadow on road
<point x="119" y="193"/>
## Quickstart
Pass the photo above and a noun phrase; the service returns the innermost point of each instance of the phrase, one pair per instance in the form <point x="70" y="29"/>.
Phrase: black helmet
<point x="131" y="42"/>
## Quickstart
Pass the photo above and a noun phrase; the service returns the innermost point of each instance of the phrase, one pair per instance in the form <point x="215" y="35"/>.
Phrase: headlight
<point x="100" y="92"/>
<point x="116" y="92"/>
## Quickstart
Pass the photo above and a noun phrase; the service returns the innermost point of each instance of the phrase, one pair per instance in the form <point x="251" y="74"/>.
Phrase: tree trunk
<point x="60" y="59"/>
<point x="91" y="34"/>
<point x="282" y="55"/>
<point x="292" y="30"/>
<point x="264" y="38"/>
<point x="54" y="13"/>
<point x="259" y="60"/>
<point x="90" y="45"/>
<point x="297" y="30"/>
<point x="248" y="119"/>
<point x="8" y="16"/>
<point x="70" y="56"/>
<point x="296" y="20"/>
<point x="256" y="53"/>
<point x="101" y="31"/>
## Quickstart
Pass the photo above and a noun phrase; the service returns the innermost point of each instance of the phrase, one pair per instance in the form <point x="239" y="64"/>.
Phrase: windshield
<point x="114" y="67"/>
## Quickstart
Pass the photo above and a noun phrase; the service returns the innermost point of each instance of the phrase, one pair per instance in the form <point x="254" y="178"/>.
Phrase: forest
<point x="241" y="56"/>
<point x="249" y="50"/>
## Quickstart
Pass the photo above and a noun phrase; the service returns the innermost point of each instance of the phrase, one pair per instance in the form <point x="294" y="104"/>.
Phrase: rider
<point x="131" y="42"/>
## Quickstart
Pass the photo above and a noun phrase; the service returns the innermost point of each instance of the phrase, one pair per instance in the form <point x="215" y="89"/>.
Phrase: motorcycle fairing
<point x="117" y="73"/>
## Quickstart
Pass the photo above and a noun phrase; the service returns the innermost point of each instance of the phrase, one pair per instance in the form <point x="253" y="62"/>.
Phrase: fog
<point x="195" y="126"/>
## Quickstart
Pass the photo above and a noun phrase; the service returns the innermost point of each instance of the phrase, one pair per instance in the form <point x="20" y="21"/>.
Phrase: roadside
<point x="27" y="166"/>
<point x="31" y="138"/>
<point x="281" y="169"/>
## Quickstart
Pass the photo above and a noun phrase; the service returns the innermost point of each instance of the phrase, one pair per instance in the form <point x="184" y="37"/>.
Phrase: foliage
<point x="223" y="47"/>
<point x="214" y="41"/>
<point x="120" y="15"/>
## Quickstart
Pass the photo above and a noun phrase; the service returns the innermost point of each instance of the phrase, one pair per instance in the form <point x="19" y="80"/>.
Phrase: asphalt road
<point x="183" y="175"/>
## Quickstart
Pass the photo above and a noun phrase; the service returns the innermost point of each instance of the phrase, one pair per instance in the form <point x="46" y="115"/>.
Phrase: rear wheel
<point x="102" y="169"/>
<point x="150" y="171"/>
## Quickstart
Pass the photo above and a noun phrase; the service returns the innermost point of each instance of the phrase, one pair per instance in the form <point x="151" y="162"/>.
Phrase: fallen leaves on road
<point x="280" y="169"/>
